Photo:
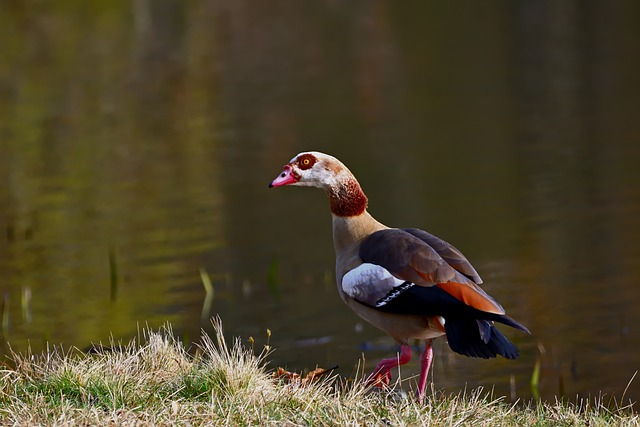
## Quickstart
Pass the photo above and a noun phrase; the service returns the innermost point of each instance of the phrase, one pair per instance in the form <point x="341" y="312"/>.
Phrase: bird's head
<point x="312" y="169"/>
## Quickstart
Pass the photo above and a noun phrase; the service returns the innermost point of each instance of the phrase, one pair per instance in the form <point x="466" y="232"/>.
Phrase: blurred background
<point x="137" y="140"/>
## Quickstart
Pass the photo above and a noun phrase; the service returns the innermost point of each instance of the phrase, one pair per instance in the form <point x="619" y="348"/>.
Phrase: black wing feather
<point x="433" y="301"/>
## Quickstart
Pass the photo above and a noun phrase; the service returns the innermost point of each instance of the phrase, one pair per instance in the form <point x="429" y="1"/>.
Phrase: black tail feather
<point x="503" y="318"/>
<point x="464" y="337"/>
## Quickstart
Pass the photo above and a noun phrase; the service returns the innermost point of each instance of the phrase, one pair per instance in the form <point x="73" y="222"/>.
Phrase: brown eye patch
<point x="306" y="161"/>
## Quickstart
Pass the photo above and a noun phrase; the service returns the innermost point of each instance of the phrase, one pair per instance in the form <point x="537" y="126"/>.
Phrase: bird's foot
<point x="380" y="378"/>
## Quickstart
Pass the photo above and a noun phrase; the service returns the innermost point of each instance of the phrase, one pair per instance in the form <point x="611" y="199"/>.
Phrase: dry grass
<point x="157" y="382"/>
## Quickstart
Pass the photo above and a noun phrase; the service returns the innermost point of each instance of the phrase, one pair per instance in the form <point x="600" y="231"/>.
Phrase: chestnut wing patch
<point x="471" y="297"/>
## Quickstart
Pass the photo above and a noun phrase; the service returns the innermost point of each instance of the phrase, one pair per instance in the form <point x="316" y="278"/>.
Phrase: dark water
<point x="137" y="140"/>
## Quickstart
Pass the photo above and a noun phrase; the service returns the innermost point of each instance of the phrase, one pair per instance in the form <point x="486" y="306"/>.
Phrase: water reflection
<point x="138" y="140"/>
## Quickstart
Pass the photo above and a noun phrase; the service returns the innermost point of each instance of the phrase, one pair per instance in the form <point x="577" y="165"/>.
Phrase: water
<point x="137" y="141"/>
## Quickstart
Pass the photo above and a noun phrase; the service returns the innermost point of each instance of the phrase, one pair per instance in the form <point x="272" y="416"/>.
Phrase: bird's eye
<point x="306" y="161"/>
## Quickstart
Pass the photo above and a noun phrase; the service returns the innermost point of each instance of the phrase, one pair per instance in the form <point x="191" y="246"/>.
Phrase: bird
<point x="405" y="281"/>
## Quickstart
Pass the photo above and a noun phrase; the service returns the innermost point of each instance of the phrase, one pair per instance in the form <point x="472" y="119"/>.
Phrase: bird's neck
<point x="349" y="231"/>
<point x="346" y="198"/>
<point x="351" y="221"/>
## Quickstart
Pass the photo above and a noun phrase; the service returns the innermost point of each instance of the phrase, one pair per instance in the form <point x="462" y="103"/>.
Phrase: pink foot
<point x="381" y="375"/>
<point x="380" y="379"/>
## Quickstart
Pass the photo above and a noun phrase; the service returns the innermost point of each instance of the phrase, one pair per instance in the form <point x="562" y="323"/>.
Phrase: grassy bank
<point x="156" y="381"/>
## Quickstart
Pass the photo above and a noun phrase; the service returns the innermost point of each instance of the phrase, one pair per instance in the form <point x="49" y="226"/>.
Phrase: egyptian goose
<point x="404" y="281"/>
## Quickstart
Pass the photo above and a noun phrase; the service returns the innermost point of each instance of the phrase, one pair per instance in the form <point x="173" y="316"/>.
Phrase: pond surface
<point x="137" y="140"/>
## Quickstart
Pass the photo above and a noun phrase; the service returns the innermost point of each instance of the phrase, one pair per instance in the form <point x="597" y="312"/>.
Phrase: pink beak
<point x="285" y="178"/>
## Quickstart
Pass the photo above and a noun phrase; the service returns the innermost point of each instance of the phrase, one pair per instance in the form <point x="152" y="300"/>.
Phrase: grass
<point x="155" y="381"/>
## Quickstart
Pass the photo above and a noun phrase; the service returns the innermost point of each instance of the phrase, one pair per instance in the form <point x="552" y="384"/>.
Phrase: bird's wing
<point x="395" y="260"/>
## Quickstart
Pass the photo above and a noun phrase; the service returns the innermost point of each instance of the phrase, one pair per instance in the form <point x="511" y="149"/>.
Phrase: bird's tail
<point x="502" y="318"/>
<point x="479" y="338"/>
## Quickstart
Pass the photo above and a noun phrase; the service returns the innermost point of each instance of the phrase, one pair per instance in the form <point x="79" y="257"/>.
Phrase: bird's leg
<point x="381" y="375"/>
<point x="425" y="364"/>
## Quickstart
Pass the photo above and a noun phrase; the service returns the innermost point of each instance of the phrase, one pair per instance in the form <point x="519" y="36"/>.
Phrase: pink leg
<point x="381" y="375"/>
<point x="425" y="364"/>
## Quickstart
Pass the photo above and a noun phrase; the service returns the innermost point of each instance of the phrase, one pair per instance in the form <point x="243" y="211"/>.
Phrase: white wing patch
<point x="373" y="285"/>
